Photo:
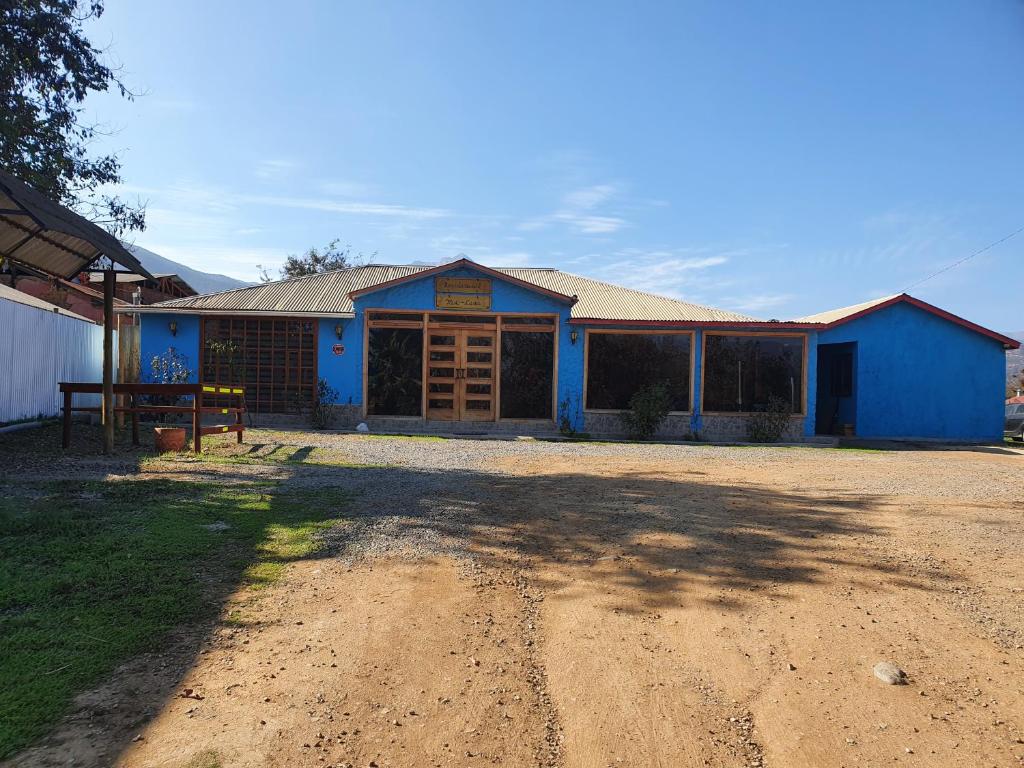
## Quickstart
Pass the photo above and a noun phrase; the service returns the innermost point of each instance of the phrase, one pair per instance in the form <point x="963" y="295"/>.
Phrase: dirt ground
<point x="607" y="606"/>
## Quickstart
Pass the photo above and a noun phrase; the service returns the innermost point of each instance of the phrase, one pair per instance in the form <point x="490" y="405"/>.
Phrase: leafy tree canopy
<point x="316" y="260"/>
<point x="47" y="69"/>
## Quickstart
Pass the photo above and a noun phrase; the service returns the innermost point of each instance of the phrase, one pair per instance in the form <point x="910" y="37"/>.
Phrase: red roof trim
<point x="1006" y="341"/>
<point x="463" y="263"/>
<point x="766" y="324"/>
<point x="797" y="326"/>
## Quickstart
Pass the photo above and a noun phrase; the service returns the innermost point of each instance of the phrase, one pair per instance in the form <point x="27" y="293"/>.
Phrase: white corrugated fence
<point x="39" y="349"/>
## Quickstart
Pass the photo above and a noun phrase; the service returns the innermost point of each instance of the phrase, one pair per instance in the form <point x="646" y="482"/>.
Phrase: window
<point x="394" y="372"/>
<point x="527" y="361"/>
<point x="743" y="373"/>
<point x="621" y="364"/>
<point x="274" y="359"/>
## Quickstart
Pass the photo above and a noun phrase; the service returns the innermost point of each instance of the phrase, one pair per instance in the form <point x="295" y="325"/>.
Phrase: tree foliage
<point x="47" y="69"/>
<point x="316" y="260"/>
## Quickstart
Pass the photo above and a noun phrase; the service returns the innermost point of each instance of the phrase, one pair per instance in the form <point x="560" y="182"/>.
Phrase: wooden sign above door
<point x="473" y="293"/>
<point x="481" y="302"/>
<point x="462" y="284"/>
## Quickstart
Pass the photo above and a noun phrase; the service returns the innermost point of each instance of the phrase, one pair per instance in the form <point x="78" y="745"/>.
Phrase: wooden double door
<point x="462" y="374"/>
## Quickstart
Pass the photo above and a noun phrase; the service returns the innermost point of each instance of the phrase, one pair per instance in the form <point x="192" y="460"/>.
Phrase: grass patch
<point x="92" y="573"/>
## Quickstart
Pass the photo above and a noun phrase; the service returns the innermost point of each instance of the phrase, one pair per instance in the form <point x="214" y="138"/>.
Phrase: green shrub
<point x="769" y="425"/>
<point x="569" y="416"/>
<point x="647" y="410"/>
<point x="322" y="415"/>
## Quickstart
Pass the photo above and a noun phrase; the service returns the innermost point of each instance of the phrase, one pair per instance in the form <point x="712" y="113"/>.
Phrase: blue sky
<point x="772" y="158"/>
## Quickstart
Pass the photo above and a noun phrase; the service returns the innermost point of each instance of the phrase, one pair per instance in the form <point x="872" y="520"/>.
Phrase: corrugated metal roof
<point x="842" y="313"/>
<point x="13" y="294"/>
<point x="328" y="293"/>
<point x="45" y="235"/>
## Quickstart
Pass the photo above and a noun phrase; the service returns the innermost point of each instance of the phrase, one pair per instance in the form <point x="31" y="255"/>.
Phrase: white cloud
<point x="759" y="302"/>
<point x="513" y="259"/>
<point x="588" y="198"/>
<point x="354" y="208"/>
<point x="675" y="272"/>
<point x="234" y="261"/>
<point x="269" y="170"/>
<point x="591" y="225"/>
<point x="579" y="211"/>
<point x="346" y="188"/>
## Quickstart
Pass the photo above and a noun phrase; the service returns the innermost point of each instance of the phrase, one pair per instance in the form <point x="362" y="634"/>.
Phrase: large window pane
<point x="394" y="375"/>
<point x="621" y="364"/>
<point x="527" y="361"/>
<point x="275" y="360"/>
<point x="743" y="373"/>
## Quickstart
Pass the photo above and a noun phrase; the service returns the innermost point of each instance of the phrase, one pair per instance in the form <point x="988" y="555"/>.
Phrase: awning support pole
<point x="108" y="361"/>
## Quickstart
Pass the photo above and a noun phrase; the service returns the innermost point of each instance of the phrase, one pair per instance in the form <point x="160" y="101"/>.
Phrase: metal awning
<point x="44" y="235"/>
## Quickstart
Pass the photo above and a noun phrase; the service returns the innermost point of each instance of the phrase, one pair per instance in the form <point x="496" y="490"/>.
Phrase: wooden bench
<point x="131" y="393"/>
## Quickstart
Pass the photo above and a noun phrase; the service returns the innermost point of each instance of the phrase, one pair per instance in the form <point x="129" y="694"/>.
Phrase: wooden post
<point x="67" y="419"/>
<point x="239" y="401"/>
<point x="197" y="420"/>
<point x="133" y="399"/>
<point x="108" y="361"/>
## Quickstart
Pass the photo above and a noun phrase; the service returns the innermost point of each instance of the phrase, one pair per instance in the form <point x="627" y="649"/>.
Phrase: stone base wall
<point x="675" y="426"/>
<point x="720" y="428"/>
<point x="717" y="428"/>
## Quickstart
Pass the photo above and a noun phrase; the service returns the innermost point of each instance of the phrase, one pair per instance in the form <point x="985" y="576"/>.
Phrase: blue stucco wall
<point x="156" y="338"/>
<point x="343" y="372"/>
<point x="921" y="376"/>
<point x="916" y="375"/>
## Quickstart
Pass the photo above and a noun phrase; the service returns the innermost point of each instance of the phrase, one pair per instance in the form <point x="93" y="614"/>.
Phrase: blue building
<point x="464" y="347"/>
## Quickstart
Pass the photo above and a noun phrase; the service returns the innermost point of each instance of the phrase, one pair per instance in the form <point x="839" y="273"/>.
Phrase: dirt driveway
<point x="537" y="604"/>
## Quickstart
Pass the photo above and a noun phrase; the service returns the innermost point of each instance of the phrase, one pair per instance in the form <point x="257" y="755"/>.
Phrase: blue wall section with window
<point x="921" y="376"/>
<point x="156" y="338"/>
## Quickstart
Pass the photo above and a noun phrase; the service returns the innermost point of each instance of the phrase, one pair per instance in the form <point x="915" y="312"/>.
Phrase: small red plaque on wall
<point x="338" y="349"/>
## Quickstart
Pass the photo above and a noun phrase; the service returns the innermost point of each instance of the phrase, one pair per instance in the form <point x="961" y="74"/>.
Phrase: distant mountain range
<point x="203" y="282"/>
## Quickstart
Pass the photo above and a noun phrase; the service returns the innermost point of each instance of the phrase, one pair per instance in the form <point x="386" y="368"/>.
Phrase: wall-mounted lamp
<point x="574" y="335"/>
<point x="173" y="328"/>
<point x="338" y="331"/>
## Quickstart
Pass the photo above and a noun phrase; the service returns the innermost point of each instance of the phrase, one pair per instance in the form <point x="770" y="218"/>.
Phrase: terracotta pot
<point x="169" y="439"/>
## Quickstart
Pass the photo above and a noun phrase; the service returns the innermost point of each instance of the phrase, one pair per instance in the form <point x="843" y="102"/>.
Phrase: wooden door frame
<point x="419" y="318"/>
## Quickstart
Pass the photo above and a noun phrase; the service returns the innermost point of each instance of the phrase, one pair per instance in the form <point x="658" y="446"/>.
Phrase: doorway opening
<point x="836" y="410"/>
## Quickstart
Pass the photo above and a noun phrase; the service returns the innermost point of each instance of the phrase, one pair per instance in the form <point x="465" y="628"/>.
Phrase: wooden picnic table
<point x="228" y="393"/>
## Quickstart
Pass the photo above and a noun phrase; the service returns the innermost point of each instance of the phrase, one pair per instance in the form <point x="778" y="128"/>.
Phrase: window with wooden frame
<point x="620" y="364"/>
<point x="527" y="368"/>
<point x="394" y="372"/>
<point x="274" y="359"/>
<point x="746" y="373"/>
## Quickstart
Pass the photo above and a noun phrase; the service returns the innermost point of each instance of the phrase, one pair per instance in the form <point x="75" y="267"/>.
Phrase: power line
<point x="965" y="258"/>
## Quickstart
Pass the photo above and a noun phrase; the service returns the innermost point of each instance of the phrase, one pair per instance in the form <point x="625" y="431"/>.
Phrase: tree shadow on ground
<point x="666" y="540"/>
<point x="641" y="540"/>
<point x="100" y="563"/>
